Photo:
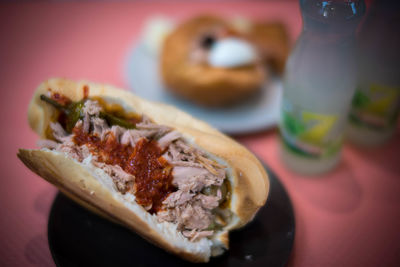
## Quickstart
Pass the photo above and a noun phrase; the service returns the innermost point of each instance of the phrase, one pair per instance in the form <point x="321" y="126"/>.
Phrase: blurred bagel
<point x="186" y="72"/>
<point x="272" y="40"/>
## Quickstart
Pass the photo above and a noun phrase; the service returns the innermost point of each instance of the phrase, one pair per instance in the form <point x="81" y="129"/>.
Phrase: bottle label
<point x="310" y="134"/>
<point x="375" y="106"/>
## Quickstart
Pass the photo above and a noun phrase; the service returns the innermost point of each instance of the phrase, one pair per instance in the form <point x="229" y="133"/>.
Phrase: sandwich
<point x="176" y="181"/>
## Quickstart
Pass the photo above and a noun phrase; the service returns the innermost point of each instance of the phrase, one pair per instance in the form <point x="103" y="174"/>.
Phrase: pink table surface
<point x="349" y="217"/>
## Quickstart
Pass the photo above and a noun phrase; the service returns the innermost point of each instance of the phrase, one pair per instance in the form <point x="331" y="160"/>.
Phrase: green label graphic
<point x="310" y="134"/>
<point x="375" y="106"/>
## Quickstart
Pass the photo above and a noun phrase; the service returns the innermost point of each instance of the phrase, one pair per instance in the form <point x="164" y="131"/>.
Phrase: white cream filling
<point x="231" y="52"/>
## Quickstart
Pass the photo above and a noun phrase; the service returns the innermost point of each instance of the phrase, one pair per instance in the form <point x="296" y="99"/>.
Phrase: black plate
<point x="78" y="237"/>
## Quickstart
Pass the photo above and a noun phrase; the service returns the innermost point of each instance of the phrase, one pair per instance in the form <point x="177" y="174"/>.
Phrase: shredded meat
<point x="58" y="131"/>
<point x="188" y="216"/>
<point x="178" y="198"/>
<point x="194" y="235"/>
<point x="91" y="108"/>
<point x="100" y="127"/>
<point x="178" y="151"/>
<point x="192" y="170"/>
<point x="167" y="139"/>
<point x="123" y="181"/>
<point x="130" y="137"/>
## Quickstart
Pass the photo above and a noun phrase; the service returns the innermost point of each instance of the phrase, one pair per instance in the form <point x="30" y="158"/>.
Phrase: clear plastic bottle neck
<point x="327" y="17"/>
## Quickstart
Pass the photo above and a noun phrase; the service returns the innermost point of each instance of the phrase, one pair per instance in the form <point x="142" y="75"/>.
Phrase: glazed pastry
<point x="272" y="40"/>
<point x="207" y="61"/>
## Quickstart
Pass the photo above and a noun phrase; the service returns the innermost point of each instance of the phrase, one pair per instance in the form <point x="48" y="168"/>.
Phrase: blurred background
<point x="346" y="215"/>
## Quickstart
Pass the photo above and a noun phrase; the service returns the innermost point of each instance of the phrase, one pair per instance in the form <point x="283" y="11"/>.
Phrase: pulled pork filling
<point x="169" y="178"/>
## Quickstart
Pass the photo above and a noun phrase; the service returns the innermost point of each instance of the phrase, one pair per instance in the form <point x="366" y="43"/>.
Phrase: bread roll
<point x="93" y="188"/>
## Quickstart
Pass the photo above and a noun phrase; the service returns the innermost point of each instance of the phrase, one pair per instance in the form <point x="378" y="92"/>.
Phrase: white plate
<point x="258" y="113"/>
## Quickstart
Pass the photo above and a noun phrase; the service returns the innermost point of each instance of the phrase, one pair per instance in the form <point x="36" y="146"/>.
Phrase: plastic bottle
<point x="375" y="106"/>
<point x="319" y="85"/>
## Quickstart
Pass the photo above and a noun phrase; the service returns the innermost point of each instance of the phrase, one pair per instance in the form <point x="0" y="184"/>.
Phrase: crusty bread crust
<point x="78" y="182"/>
<point x="249" y="181"/>
<point x="201" y="83"/>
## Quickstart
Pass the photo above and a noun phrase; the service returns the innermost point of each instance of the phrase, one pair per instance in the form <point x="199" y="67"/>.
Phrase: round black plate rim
<point x="283" y="188"/>
<point x="273" y="179"/>
<point x="50" y="233"/>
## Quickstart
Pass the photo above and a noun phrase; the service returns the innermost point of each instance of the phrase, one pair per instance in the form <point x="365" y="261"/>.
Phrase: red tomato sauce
<point x="152" y="172"/>
<point x="62" y="100"/>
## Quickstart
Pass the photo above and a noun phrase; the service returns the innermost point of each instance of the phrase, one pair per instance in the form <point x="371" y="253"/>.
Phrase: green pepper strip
<point x="113" y="120"/>
<point x="74" y="113"/>
<point x="54" y="103"/>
